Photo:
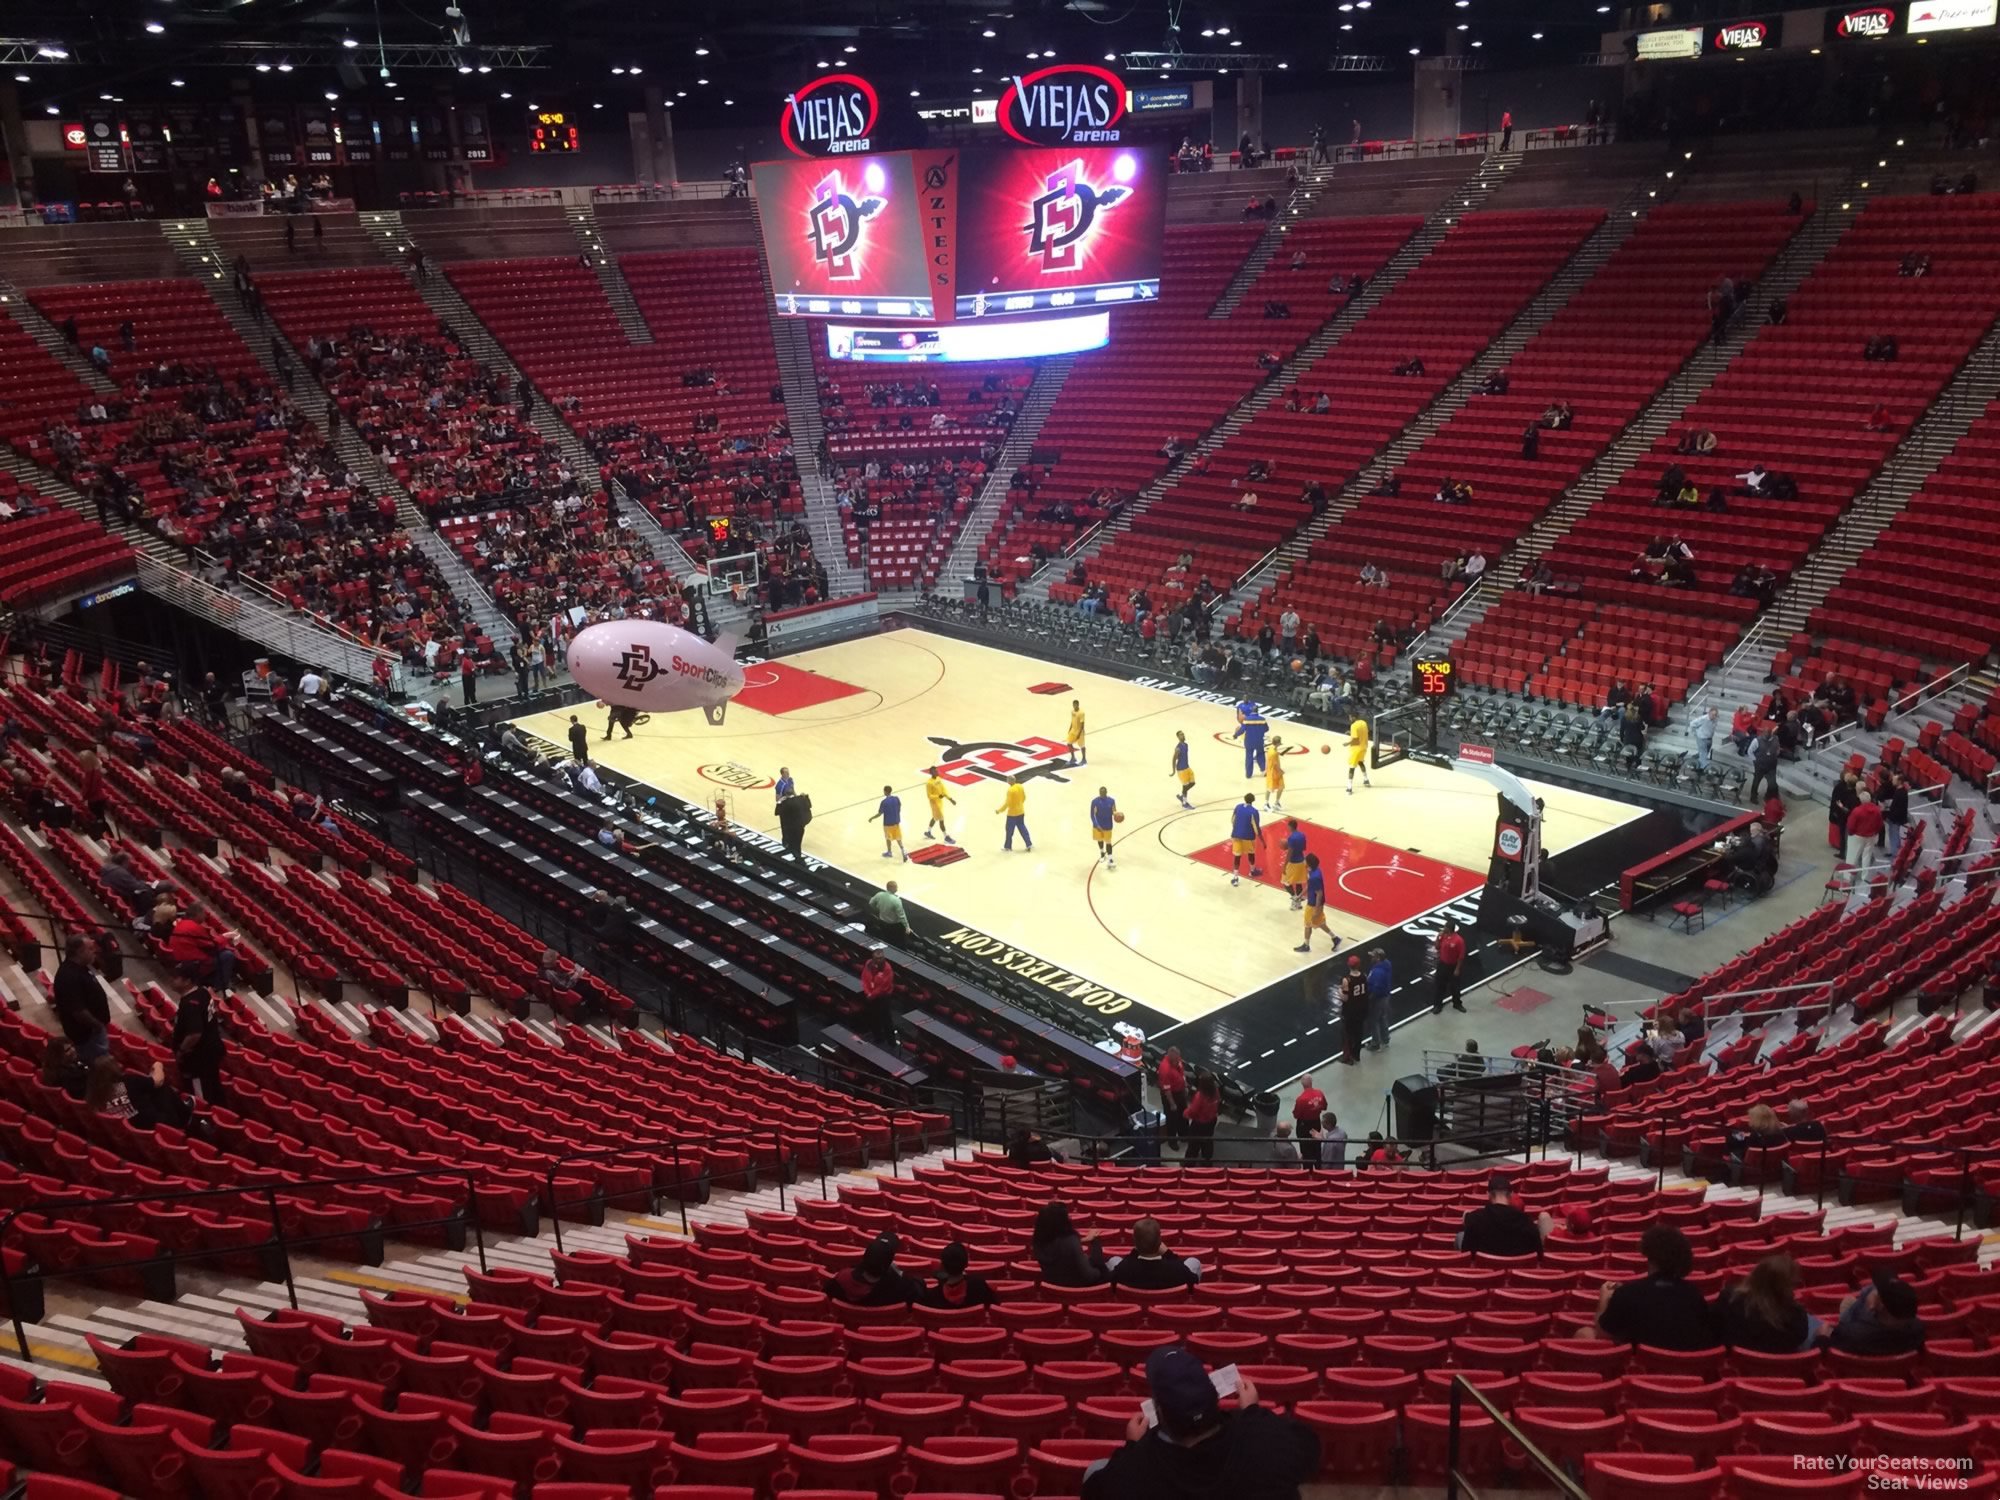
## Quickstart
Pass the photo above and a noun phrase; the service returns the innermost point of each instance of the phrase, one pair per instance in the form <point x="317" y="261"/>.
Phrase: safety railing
<point x="1124" y="1151"/>
<point x="1456" y="1484"/>
<point x="269" y="625"/>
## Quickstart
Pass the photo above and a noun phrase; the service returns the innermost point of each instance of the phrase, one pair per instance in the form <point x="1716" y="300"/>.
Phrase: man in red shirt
<point x="878" y="985"/>
<point x="1451" y="970"/>
<point x="1306" y="1110"/>
<point x="1864" y="827"/>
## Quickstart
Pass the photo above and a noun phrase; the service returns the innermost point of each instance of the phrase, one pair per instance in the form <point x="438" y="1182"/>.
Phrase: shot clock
<point x="1433" y="677"/>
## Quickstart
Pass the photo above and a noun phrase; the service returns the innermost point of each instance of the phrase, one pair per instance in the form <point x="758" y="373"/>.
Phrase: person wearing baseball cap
<point x="1880" y="1318"/>
<point x="1198" y="1449"/>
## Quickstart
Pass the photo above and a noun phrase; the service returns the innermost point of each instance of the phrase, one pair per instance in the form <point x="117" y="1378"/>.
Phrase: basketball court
<point x="1165" y="928"/>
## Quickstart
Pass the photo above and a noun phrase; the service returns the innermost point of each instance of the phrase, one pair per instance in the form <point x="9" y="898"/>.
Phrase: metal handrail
<point x="1913" y="698"/>
<point x="280" y="1240"/>
<point x="1454" y="1482"/>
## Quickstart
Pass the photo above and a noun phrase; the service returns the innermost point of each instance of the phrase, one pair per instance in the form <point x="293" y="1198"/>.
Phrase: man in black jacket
<point x="1198" y="1449"/>
<point x="1149" y="1268"/>
<point x="81" y="1006"/>
<point x="1500" y="1228"/>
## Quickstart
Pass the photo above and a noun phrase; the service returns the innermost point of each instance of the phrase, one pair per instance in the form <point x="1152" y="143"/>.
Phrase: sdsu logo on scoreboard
<point x="833" y="226"/>
<point x="831" y="116"/>
<point x="1063" y="215"/>
<point x="1070" y="104"/>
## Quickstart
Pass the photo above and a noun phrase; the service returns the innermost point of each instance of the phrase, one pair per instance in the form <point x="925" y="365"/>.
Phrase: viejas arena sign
<point x="1070" y="104"/>
<point x="1867" y="23"/>
<point x="831" y="116"/>
<point x="1754" y="34"/>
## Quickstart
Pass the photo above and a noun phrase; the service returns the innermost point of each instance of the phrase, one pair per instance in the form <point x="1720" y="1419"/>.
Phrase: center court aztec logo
<point x="969" y="762"/>
<point x="833" y="226"/>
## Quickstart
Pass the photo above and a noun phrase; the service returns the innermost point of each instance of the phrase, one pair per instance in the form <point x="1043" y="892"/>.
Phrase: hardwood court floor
<point x="1165" y="927"/>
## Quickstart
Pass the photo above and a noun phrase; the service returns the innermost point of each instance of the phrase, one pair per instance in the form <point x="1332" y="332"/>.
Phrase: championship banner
<point x="316" y="136"/>
<point x="274" y="138"/>
<point x="147" y="140"/>
<point x="357" y="137"/>
<point x="103" y="141"/>
<point x="396" y="138"/>
<point x="475" y="136"/>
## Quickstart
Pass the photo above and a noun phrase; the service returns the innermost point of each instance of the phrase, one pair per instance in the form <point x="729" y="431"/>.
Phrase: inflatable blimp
<point x="654" y="668"/>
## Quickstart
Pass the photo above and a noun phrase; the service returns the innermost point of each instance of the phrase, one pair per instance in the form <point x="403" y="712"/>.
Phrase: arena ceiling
<point x="749" y="51"/>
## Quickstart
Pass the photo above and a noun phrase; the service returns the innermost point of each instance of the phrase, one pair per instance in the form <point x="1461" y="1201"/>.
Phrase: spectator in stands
<point x="1895" y="805"/>
<point x="1203" y="1110"/>
<point x="1696" y="440"/>
<point x="1840" y="803"/>
<point x="1753" y="480"/>
<point x="1059" y="1251"/>
<point x="1539" y="577"/>
<point x="1285" y="1151"/>
<point x="1915" y="263"/>
<point x="1149" y="1268"/>
<point x="1643" y="1068"/>
<point x="1373" y="577"/>
<point x="1615" y="701"/>
<point x="197" y="1040"/>
<point x="1661" y="1310"/>
<point x="1763" y="751"/>
<point x="1501" y="1228"/>
<point x="1592" y="1058"/>
<point x="1880" y="1319"/>
<point x="1702" y="731"/>
<point x="146" y="1099"/>
<point x="1881" y="348"/>
<point x="1531" y="440"/>
<point x="874" y="1280"/>
<point x="1557" y="416"/>
<point x="1800" y="1127"/>
<point x="194" y="947"/>
<point x="1026" y="1148"/>
<point x="1989" y="994"/>
<point x="1865" y="827"/>
<point x="1475" y="566"/>
<point x="1761" y="1132"/>
<point x="1199" y="1449"/>
<point x="117" y="873"/>
<point x="1414" y="365"/>
<point x="1762" y="1313"/>
<point x="956" y="1288"/>
<point x="1332" y="1141"/>
<point x="559" y="973"/>
<point x="63" y="1069"/>
<point x="1381" y="1153"/>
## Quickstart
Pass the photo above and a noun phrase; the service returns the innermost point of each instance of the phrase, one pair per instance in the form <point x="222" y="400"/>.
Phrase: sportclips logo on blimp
<point x="831" y="116"/>
<point x="1070" y="104"/>
<point x="835" y="217"/>
<point x="1062" y="217"/>
<point x="636" y="667"/>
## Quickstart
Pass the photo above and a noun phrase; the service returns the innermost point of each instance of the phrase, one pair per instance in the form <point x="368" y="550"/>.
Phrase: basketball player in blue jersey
<point x="1251" y="728"/>
<point x="890" y="811"/>
<point x="1315" y="906"/>
<point x="1246" y="833"/>
<point x="1295" y="862"/>
<point x="1103" y="813"/>
<point x="1181" y="770"/>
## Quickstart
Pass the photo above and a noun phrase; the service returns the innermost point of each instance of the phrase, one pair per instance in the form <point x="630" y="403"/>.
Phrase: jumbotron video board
<point x="938" y="236"/>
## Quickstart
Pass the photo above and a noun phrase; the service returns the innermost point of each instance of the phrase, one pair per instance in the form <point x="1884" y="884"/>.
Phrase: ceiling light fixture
<point x="1208" y="31"/>
<point x="977" y="71"/>
<point x="1416" y="51"/>
<point x="349" y="43"/>
<point x="916" y="93"/>
<point x="850" y="47"/>
<point x="263" y="67"/>
<point x="617" y="72"/>
<point x="1479" y="44"/>
<point x="702" y="81"/>
<point x="822" y="63"/>
<point x="331" y="96"/>
<point x="1282" y="66"/>
<point x="1051" y="52"/>
<point x="285" y="66"/>
<point x="1111" y="57"/>
<point x="21" y="78"/>
<point x="700" y="49"/>
<point x="505" y="95"/>
<point x="1236" y="41"/>
<point x="598" y="105"/>
<point x="50" y="109"/>
<point x="1535" y="36"/>
<point x="989" y="33"/>
<point x="154" y="28"/>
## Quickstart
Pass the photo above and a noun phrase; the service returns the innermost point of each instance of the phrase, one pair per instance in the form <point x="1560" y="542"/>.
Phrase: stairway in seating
<point x="1589" y="259"/>
<point x="792" y="338"/>
<point x="1468" y="195"/>
<point x="203" y="255"/>
<point x="1036" y="404"/>
<point x="610" y="275"/>
<point x="387" y="230"/>
<point x="1313" y="181"/>
<point x="45" y="333"/>
<point x="1800" y="257"/>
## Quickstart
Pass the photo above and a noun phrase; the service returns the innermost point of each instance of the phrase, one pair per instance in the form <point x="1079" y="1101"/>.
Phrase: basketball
<point x="1298" y="664"/>
<point x="1326" y="749"/>
<point x="1118" y="817"/>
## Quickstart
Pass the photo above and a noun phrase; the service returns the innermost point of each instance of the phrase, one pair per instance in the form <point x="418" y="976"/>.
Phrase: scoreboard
<point x="550" y="130"/>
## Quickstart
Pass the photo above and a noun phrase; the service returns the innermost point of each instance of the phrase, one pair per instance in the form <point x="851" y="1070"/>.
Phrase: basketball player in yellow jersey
<point x="937" y="796"/>
<point x="1074" y="739"/>
<point x="1274" y="778"/>
<point x="1357" y="754"/>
